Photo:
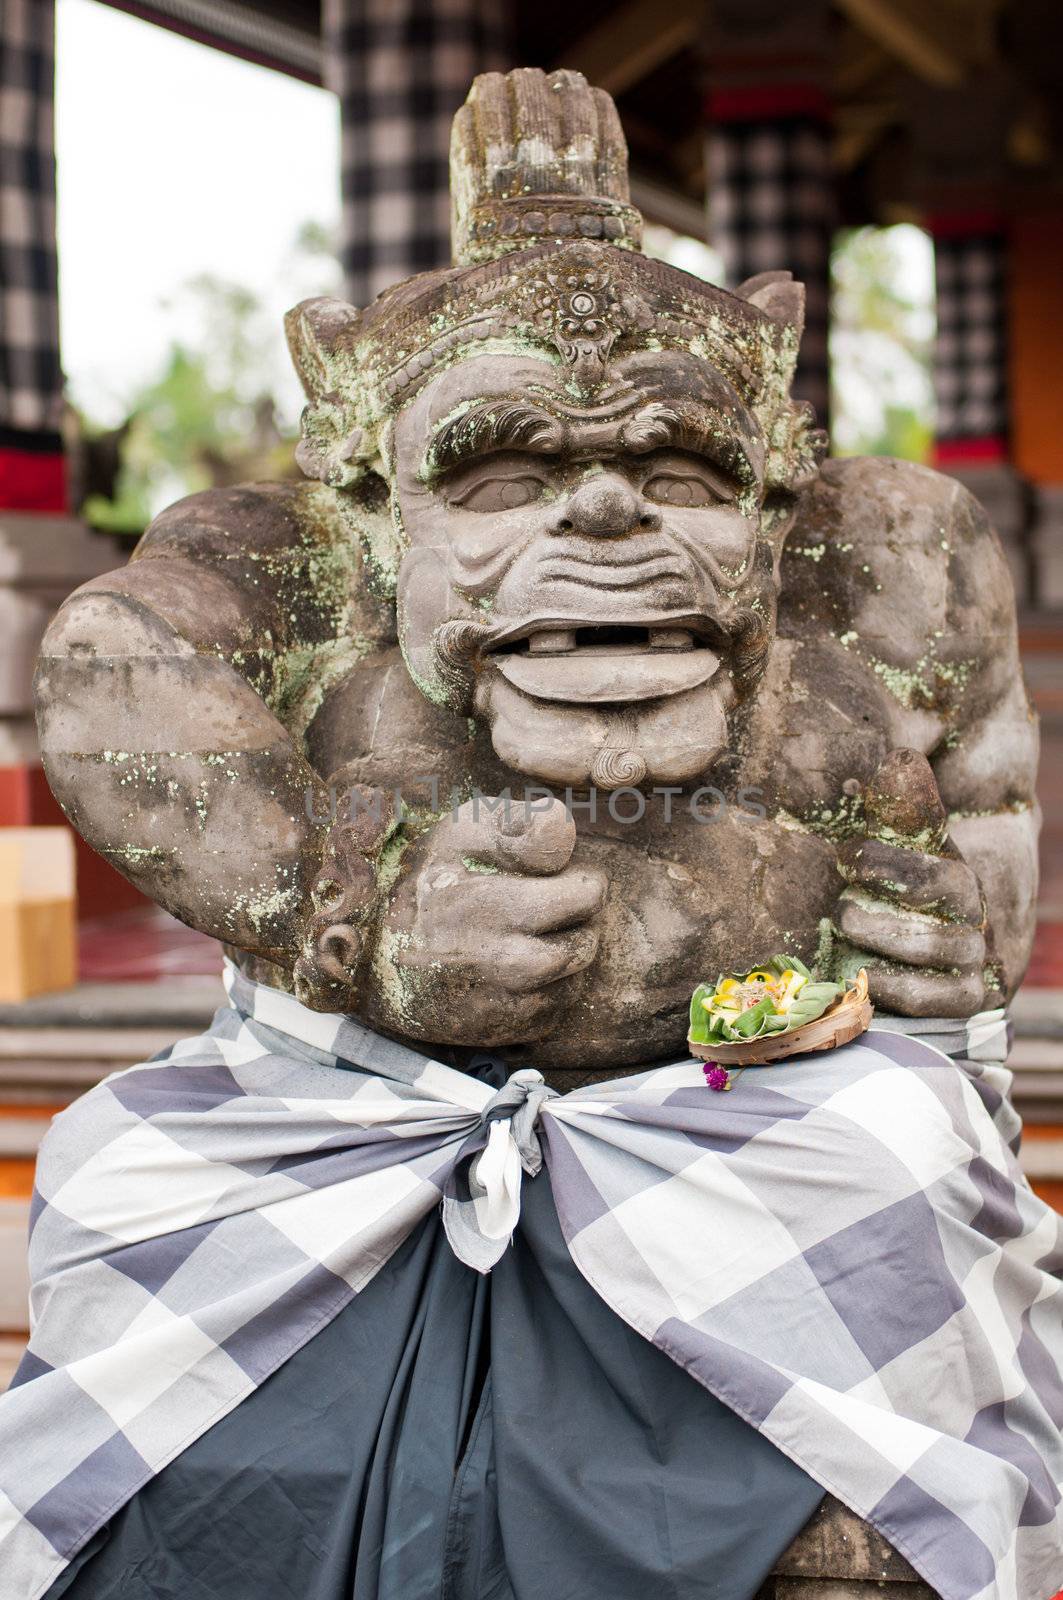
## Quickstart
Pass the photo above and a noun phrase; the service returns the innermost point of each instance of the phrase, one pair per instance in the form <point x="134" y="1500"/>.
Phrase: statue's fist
<point x="493" y="922"/>
<point x="912" y="906"/>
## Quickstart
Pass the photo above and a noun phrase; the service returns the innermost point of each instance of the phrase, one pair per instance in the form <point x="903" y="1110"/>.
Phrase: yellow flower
<point x="789" y="987"/>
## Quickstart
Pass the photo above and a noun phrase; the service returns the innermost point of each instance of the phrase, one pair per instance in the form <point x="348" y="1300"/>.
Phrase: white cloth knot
<point x="519" y="1101"/>
<point x="481" y="1204"/>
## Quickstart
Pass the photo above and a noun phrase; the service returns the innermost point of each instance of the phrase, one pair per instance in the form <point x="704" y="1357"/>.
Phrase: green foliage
<point x="882" y="329"/>
<point x="209" y="416"/>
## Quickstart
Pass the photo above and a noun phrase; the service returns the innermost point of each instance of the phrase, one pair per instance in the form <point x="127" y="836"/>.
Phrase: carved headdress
<point x="546" y="252"/>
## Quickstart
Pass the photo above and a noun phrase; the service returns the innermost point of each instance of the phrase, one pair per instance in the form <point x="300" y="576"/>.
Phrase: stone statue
<point x="566" y="538"/>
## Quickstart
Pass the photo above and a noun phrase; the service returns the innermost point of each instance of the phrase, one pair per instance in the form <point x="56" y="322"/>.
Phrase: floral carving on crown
<point x="578" y="308"/>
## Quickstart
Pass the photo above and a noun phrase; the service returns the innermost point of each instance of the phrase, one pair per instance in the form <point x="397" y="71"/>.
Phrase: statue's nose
<point x="604" y="506"/>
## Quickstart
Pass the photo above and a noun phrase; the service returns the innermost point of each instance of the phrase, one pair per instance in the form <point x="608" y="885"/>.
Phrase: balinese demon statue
<point x="565" y="539"/>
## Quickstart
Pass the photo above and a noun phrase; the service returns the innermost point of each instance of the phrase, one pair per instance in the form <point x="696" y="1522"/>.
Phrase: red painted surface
<point x="1035" y="340"/>
<point x="976" y="451"/>
<point x="32" y="480"/>
<point x="1046" y="964"/>
<point x="143" y="946"/>
<point x="768" y="103"/>
<point x="969" y="224"/>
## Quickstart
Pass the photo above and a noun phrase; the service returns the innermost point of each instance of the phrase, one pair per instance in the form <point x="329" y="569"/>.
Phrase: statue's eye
<point x="674" y="490"/>
<point x="500" y="494"/>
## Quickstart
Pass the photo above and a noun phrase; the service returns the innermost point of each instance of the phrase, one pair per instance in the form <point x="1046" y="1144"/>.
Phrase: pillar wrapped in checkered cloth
<point x="401" y="69"/>
<point x="31" y="385"/>
<point x="771" y="204"/>
<point x="971" y="350"/>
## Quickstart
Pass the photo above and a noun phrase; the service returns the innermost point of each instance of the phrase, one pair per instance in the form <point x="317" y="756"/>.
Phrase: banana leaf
<point x="780" y="964"/>
<point x="812" y="1002"/>
<point x="700" y="1030"/>
<point x="761" y="1018"/>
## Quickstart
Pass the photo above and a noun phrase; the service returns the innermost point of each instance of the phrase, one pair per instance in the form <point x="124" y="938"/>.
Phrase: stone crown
<point x="537" y="156"/>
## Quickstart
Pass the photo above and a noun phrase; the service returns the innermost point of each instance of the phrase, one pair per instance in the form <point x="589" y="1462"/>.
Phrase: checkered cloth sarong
<point x="31" y="384"/>
<point x="841" y="1248"/>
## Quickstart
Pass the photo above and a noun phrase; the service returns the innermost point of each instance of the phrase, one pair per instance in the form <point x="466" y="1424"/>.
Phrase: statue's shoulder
<point x="260" y="520"/>
<point x="277" y="558"/>
<point x="906" y="493"/>
<point x="895" y="548"/>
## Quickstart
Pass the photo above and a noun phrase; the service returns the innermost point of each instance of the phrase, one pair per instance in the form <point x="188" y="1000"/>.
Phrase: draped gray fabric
<point x="501" y="1438"/>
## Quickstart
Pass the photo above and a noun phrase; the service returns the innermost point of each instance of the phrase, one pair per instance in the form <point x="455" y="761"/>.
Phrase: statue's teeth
<point x="552" y="642"/>
<point x="671" y="639"/>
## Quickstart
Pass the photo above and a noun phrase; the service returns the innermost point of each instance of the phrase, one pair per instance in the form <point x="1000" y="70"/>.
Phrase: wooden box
<point x="38" y="912"/>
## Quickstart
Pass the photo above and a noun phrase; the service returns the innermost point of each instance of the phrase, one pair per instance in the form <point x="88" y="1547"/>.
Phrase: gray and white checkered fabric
<point x="970" y="352"/>
<point x="30" y="377"/>
<point x="401" y="69"/>
<point x="842" y="1249"/>
<point x="771" y="208"/>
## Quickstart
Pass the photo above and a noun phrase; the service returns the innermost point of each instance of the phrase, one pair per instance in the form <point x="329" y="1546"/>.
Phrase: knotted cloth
<point x="842" y="1249"/>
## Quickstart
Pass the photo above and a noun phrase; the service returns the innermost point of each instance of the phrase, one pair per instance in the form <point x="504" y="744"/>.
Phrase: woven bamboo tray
<point x="846" y="1019"/>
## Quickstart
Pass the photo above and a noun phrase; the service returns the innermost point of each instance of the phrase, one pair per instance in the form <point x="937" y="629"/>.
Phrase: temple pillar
<point x="971" y="348"/>
<point x="771" y="189"/>
<point x="44" y="552"/>
<point x="401" y="69"/>
<point x="1036" y="360"/>
<point x="972" y="360"/>
<point x="960" y="184"/>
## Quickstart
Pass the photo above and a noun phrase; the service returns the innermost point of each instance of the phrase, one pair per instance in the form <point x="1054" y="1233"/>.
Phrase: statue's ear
<point x="319" y="331"/>
<point x="797" y="447"/>
<point x="333" y="445"/>
<point x="778" y="296"/>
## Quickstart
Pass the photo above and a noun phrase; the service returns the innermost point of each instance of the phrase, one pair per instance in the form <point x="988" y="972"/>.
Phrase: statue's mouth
<point x="569" y="658"/>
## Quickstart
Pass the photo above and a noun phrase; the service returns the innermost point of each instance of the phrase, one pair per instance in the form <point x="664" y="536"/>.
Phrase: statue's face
<point x="601" y="550"/>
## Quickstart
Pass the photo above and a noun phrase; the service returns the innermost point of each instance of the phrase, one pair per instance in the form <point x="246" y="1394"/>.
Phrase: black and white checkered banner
<point x="971" y="349"/>
<point x="401" y="69"/>
<point x="31" y="385"/>
<point x="771" y="204"/>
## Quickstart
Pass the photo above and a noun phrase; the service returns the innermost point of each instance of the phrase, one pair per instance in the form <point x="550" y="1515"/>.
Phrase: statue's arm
<point x="986" y="767"/>
<point x="949" y="929"/>
<point x="162" y="750"/>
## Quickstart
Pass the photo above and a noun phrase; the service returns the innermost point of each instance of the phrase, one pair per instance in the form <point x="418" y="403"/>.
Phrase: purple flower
<point x="716" y="1077"/>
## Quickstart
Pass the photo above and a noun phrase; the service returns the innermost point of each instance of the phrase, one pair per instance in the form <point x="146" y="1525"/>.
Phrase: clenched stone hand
<point x="914" y="910"/>
<point x="491" y="921"/>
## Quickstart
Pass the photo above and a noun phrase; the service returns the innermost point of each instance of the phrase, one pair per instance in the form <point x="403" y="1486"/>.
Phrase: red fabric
<point x="768" y="103"/>
<point x="32" y="480"/>
<point x="993" y="448"/>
